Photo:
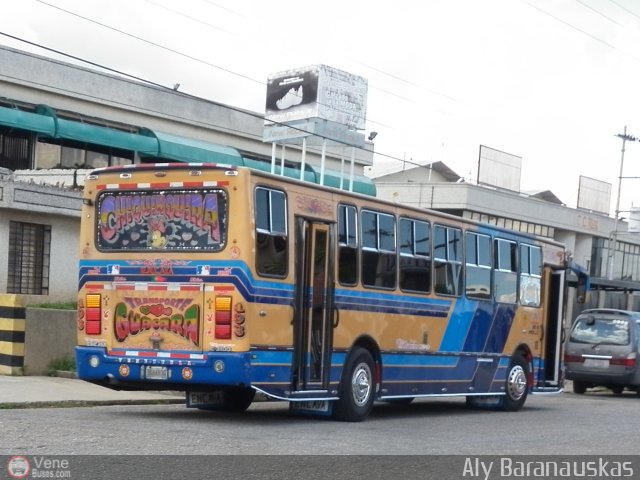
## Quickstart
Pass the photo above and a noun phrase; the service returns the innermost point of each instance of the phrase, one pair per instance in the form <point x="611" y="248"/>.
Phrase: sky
<point x="551" y="81"/>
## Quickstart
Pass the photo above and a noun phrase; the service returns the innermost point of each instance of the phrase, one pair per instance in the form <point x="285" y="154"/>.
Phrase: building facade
<point x="58" y="121"/>
<point x="615" y="272"/>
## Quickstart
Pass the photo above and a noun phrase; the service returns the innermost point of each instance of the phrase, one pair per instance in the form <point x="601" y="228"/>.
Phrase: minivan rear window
<point x="595" y="330"/>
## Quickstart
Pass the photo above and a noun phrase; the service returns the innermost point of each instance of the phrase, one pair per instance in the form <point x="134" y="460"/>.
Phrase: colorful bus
<point x="224" y="282"/>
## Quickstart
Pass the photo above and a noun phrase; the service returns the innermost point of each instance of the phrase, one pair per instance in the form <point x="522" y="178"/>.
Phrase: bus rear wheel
<point x="516" y="387"/>
<point x="357" y="387"/>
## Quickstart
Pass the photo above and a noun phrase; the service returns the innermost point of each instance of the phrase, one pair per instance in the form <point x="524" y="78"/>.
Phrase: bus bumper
<point x="153" y="370"/>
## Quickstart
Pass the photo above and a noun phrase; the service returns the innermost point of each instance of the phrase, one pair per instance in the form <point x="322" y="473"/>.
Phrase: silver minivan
<point x="602" y="350"/>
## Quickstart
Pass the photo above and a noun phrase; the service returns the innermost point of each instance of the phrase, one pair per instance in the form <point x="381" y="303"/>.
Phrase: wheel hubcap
<point x="517" y="383"/>
<point x="361" y="384"/>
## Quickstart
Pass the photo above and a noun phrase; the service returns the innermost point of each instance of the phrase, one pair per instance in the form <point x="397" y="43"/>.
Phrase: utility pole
<point x="613" y="238"/>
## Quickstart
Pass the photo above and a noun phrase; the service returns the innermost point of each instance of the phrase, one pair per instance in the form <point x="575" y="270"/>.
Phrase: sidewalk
<point x="34" y="392"/>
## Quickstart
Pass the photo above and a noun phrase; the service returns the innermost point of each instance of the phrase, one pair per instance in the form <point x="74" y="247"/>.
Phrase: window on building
<point x="447" y="256"/>
<point x="347" y="245"/>
<point x="505" y="275"/>
<point x="79" y="157"/>
<point x="29" y="255"/>
<point x="271" y="232"/>
<point x="378" y="249"/>
<point x="478" y="265"/>
<point x="530" y="275"/>
<point x="415" y="251"/>
<point x="15" y="149"/>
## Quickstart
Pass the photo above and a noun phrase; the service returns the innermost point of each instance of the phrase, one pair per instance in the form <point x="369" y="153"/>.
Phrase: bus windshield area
<point x="174" y="220"/>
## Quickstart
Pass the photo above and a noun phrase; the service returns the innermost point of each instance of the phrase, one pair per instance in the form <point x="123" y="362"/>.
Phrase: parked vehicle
<point x="603" y="350"/>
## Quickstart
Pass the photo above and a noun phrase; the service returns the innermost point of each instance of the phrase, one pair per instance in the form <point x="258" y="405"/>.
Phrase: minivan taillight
<point x="93" y="313"/>
<point x="572" y="358"/>
<point x="629" y="361"/>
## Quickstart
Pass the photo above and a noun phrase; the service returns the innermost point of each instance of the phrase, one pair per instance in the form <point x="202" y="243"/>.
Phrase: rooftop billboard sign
<point x="317" y="91"/>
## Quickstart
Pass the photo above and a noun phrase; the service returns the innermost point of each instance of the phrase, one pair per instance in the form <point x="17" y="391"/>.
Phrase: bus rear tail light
<point x="93" y="314"/>
<point x="223" y="317"/>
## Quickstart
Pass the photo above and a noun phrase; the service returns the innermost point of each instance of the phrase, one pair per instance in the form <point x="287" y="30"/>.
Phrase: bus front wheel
<point x="516" y="387"/>
<point x="357" y="387"/>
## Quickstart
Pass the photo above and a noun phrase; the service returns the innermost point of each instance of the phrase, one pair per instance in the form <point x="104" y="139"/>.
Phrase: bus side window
<point x="378" y="250"/>
<point x="478" y="265"/>
<point x="415" y="261"/>
<point x="447" y="260"/>
<point x="530" y="275"/>
<point x="271" y="232"/>
<point x="505" y="275"/>
<point x="347" y="245"/>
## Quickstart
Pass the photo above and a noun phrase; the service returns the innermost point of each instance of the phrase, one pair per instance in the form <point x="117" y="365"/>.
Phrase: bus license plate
<point x="202" y="399"/>
<point x="155" y="372"/>
<point x="596" y="363"/>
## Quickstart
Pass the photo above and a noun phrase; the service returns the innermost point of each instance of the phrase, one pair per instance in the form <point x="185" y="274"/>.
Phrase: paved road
<point x="566" y="424"/>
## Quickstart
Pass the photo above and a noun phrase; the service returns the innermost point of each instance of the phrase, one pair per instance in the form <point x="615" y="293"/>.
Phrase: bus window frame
<point x="498" y="270"/>
<point x="413" y="255"/>
<point x="388" y="254"/>
<point x="477" y="265"/>
<point x="355" y="249"/>
<point x="447" y="261"/>
<point x="537" y="277"/>
<point x="270" y="232"/>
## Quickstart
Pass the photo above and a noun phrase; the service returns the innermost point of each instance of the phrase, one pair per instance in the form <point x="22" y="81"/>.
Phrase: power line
<point x="194" y="19"/>
<point x="236" y="109"/>
<point x="164" y="47"/>
<point x="599" y="12"/>
<point x="625" y="9"/>
<point x="584" y="32"/>
<point x="177" y="52"/>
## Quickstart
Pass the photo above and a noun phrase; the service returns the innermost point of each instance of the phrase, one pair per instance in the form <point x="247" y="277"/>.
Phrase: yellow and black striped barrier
<point x="12" y="321"/>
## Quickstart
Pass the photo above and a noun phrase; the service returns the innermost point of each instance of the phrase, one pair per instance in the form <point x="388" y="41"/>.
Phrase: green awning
<point x="105" y="136"/>
<point x="14" y="118"/>
<point x="181" y="149"/>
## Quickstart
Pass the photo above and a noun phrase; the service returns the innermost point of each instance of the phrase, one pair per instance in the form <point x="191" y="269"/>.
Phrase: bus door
<point x="553" y="331"/>
<point x="313" y="313"/>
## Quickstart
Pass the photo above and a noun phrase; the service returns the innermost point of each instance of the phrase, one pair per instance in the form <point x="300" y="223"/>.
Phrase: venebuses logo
<point x="18" y="467"/>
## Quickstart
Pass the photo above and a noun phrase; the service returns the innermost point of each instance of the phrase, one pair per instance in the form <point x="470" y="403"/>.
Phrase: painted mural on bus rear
<point x="225" y="282"/>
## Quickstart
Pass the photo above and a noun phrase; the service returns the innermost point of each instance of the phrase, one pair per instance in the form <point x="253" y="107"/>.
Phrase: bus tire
<point x="516" y="387"/>
<point x="239" y="400"/>
<point x="357" y="387"/>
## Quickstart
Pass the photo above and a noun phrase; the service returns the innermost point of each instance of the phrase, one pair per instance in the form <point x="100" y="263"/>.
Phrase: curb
<point x="86" y="403"/>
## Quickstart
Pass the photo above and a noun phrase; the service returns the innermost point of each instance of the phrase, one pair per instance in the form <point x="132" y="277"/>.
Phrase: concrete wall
<point x="60" y="209"/>
<point x="49" y="335"/>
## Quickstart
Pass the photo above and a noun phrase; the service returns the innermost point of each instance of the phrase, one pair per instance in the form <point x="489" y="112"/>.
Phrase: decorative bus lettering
<point x="172" y="216"/>
<point x="156" y="317"/>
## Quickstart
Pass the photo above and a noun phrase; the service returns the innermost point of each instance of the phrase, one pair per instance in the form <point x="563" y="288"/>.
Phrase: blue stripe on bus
<point x="502" y="322"/>
<point x="269" y="291"/>
<point x="458" y="326"/>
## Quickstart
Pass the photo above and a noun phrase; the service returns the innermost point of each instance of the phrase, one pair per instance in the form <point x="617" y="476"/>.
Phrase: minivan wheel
<point x="617" y="389"/>
<point x="579" y="387"/>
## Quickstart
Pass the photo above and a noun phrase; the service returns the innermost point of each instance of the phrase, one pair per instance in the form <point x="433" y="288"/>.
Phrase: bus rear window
<point x="177" y="220"/>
